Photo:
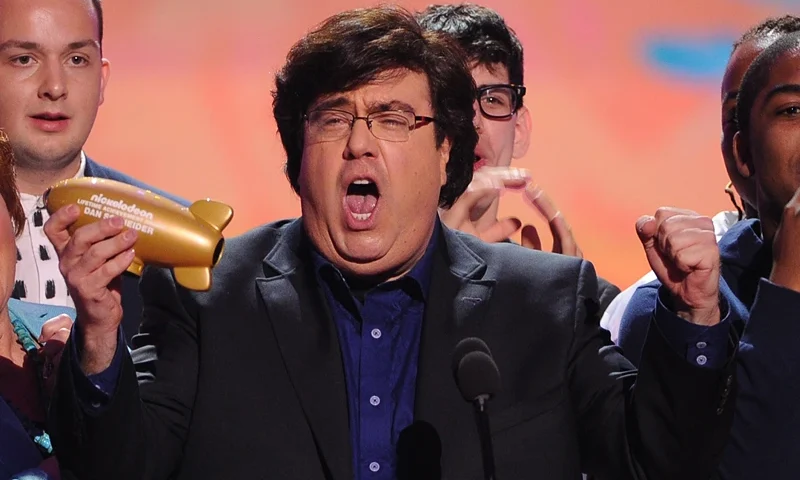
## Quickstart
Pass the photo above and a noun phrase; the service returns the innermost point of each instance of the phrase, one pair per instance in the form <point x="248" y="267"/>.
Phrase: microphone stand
<point x="485" y="434"/>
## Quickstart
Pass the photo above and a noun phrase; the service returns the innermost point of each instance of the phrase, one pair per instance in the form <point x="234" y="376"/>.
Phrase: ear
<point x="741" y="153"/>
<point x="522" y="132"/>
<point x="444" y="158"/>
<point x="105" y="72"/>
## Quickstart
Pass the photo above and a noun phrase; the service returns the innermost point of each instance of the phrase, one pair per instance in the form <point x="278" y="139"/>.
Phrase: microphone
<point x="478" y="380"/>
<point x="466" y="346"/>
<point x="419" y="453"/>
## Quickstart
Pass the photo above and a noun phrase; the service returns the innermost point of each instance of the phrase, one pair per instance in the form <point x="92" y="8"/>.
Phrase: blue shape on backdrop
<point x="691" y="59"/>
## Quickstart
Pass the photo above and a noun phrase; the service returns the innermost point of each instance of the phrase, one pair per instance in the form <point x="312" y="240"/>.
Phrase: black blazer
<point x="246" y="380"/>
<point x="131" y="301"/>
<point x="606" y="291"/>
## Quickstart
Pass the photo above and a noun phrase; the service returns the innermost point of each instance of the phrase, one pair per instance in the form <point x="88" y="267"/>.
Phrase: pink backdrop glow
<point x="188" y="108"/>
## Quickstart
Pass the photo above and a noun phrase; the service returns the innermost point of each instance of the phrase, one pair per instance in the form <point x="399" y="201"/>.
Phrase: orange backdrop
<point x="624" y="95"/>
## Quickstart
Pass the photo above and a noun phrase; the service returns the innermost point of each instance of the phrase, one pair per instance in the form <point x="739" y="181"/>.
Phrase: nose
<point x="477" y="121"/>
<point x="54" y="85"/>
<point x="361" y="143"/>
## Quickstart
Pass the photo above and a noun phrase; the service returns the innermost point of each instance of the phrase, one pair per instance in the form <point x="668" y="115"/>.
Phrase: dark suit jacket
<point x="246" y="380"/>
<point x="606" y="291"/>
<point x="131" y="301"/>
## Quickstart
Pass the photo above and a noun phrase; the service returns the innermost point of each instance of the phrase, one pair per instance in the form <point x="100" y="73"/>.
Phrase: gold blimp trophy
<point x="186" y="239"/>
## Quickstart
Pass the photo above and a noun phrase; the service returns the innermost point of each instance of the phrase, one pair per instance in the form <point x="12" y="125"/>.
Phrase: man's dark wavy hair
<point x="352" y="49"/>
<point x="481" y="32"/>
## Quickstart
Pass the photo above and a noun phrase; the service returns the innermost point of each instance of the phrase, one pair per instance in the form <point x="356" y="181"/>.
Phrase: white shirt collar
<point x="82" y="168"/>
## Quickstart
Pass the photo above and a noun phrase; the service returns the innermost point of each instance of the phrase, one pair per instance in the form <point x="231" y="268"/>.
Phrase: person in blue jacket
<point x="751" y="280"/>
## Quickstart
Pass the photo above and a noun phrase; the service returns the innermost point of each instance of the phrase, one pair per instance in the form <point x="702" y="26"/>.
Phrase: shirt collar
<point x="743" y="244"/>
<point x="421" y="273"/>
<point x="82" y="168"/>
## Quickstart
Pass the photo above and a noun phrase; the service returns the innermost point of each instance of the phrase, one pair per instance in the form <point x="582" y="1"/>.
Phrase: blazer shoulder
<point x="539" y="279"/>
<point x="511" y="261"/>
<point x="606" y="293"/>
<point x="241" y="263"/>
<point x="249" y="249"/>
<point x="97" y="170"/>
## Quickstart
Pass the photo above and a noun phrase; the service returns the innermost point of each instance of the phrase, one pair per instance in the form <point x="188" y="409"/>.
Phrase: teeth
<point x="361" y="216"/>
<point x="362" y="182"/>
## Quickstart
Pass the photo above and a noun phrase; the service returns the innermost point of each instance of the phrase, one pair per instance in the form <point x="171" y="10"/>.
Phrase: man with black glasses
<point x="504" y="125"/>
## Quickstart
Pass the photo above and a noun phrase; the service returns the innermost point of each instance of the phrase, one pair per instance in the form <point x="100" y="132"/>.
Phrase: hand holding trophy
<point x="100" y="228"/>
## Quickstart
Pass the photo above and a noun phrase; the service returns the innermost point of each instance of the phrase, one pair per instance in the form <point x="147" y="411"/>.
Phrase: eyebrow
<point x="25" y="45"/>
<point x="392" y="105"/>
<point x="83" y="44"/>
<point x="335" y="102"/>
<point x="338" y="102"/>
<point x="784" y="88"/>
<point x="19" y="44"/>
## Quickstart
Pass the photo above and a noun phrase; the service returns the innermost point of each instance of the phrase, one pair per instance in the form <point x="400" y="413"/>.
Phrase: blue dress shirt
<point x="379" y="334"/>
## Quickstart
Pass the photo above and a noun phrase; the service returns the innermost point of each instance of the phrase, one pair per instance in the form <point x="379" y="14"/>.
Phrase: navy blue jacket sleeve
<point x="767" y="412"/>
<point x="706" y="347"/>
<point x="636" y="321"/>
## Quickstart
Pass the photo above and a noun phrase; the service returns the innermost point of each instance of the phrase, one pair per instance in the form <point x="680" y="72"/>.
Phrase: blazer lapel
<point x="458" y="301"/>
<point x="309" y="345"/>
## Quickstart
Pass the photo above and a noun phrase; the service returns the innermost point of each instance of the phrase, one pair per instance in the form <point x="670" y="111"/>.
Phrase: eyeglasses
<point x="500" y="101"/>
<point x="392" y="126"/>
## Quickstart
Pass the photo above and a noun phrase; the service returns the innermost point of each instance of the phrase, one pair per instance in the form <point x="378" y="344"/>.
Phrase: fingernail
<point x="129" y="235"/>
<point x="521" y="173"/>
<point x="117" y="222"/>
<point x="534" y="191"/>
<point x="73" y="210"/>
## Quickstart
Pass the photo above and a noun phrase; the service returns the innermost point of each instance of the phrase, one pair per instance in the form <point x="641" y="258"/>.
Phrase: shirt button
<point x="374" y="466"/>
<point x="374" y="400"/>
<point x="701" y="359"/>
<point x="702" y="344"/>
<point x="376" y="334"/>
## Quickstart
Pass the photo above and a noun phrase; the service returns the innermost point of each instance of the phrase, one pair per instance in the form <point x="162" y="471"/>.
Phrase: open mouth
<point x="361" y="199"/>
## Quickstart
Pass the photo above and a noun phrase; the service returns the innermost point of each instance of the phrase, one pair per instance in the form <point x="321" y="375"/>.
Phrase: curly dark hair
<point x="481" y="32"/>
<point x="353" y="48"/>
<point x="770" y="26"/>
